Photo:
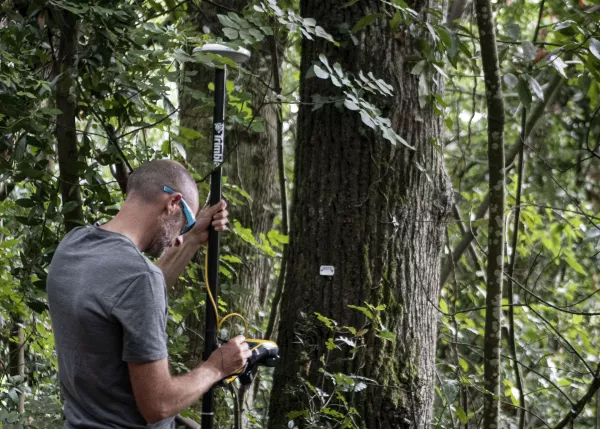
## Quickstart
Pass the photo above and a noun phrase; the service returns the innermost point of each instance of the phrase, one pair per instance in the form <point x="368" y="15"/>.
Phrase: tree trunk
<point x="66" y="100"/>
<point x="495" y="268"/>
<point x="16" y="353"/>
<point x="363" y="206"/>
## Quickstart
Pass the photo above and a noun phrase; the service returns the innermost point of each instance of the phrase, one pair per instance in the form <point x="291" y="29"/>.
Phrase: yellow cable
<point x="236" y="315"/>
<point x="220" y="321"/>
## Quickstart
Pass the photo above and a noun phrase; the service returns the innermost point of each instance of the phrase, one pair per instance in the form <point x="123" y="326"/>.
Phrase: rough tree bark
<point x="66" y="100"/>
<point x="495" y="268"/>
<point x="363" y="206"/>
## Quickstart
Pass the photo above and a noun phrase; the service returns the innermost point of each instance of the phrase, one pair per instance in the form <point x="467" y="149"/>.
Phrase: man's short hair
<point x="147" y="182"/>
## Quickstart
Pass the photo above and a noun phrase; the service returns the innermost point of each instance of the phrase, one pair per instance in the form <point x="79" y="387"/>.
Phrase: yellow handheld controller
<point x="264" y="353"/>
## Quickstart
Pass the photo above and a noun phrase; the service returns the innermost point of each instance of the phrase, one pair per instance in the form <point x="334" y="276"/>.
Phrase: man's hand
<point x="230" y="357"/>
<point x="217" y="215"/>
<point x="175" y="259"/>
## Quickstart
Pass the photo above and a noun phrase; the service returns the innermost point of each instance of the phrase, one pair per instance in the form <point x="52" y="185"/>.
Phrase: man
<point x="108" y="305"/>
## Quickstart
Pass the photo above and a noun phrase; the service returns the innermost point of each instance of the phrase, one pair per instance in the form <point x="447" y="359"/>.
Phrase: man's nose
<point x="179" y="240"/>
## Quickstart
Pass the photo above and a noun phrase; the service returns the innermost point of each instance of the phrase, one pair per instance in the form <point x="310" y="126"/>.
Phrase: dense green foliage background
<point x="130" y="72"/>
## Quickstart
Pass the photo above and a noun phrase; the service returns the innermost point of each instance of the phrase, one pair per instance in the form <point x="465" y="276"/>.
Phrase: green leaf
<point x="462" y="416"/>
<point x="37" y="306"/>
<point x="566" y="27"/>
<point x="330" y="344"/>
<point x="364" y="21"/>
<point x="13" y="395"/>
<point x="575" y="265"/>
<point x="351" y="329"/>
<point x="338" y="69"/>
<point x="535" y="87"/>
<point x="69" y="206"/>
<point x="510" y="80"/>
<point x="323" y="34"/>
<point x="325" y="320"/>
<point x="363" y="310"/>
<point x="295" y="414"/>
<point x="25" y="202"/>
<point x="524" y="93"/>
<point x="258" y="126"/>
<point x="190" y="133"/>
<point x="396" y="21"/>
<point x="443" y="306"/>
<point x="584" y="81"/>
<point x="9" y="243"/>
<point x="529" y="51"/>
<point x="257" y="34"/>
<point x="440" y="70"/>
<point x="228" y="22"/>
<point x="230" y="33"/>
<point x="182" y="56"/>
<point x="232" y="259"/>
<point x="367" y="120"/>
<point x="513" y="30"/>
<point x="559" y="65"/>
<point x="319" y="72"/>
<point x="26" y="94"/>
<point x="323" y="59"/>
<point x="595" y="48"/>
<point x="50" y="111"/>
<point x="386" y="335"/>
<point x="418" y="68"/>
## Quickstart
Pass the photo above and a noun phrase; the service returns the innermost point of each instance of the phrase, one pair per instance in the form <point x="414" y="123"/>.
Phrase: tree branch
<point x="580" y="405"/>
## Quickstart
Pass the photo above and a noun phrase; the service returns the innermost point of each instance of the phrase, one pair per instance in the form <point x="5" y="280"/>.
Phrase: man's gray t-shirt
<point x="108" y="306"/>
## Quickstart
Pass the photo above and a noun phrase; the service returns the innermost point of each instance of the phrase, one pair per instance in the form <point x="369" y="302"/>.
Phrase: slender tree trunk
<point x="363" y="206"/>
<point x="282" y="189"/>
<point x="16" y="352"/>
<point x="495" y="269"/>
<point x="597" y="410"/>
<point x="66" y="100"/>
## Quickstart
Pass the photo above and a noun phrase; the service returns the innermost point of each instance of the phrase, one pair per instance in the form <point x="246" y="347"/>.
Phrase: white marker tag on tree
<point x="327" y="270"/>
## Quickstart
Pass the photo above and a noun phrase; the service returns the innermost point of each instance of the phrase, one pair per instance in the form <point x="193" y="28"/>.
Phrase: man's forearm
<point x="159" y="395"/>
<point x="188" y="388"/>
<point x="175" y="259"/>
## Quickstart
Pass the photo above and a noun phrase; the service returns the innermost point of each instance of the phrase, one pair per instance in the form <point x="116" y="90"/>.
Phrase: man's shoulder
<point x="92" y="246"/>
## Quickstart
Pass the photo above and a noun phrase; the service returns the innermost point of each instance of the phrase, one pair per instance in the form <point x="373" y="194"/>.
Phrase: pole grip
<point x="218" y="151"/>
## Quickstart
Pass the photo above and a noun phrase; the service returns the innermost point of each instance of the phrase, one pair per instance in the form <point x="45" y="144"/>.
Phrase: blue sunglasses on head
<point x="190" y="220"/>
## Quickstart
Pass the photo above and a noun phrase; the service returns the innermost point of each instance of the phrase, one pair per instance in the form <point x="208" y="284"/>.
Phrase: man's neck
<point x="133" y="222"/>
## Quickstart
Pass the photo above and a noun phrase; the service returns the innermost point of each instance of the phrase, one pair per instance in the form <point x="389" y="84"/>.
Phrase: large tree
<point x="373" y="210"/>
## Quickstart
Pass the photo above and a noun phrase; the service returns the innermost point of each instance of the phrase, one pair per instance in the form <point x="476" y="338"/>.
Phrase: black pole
<point x="210" y="336"/>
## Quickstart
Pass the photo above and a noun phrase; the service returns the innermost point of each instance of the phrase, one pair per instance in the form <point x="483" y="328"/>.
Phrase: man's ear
<point x="173" y="202"/>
